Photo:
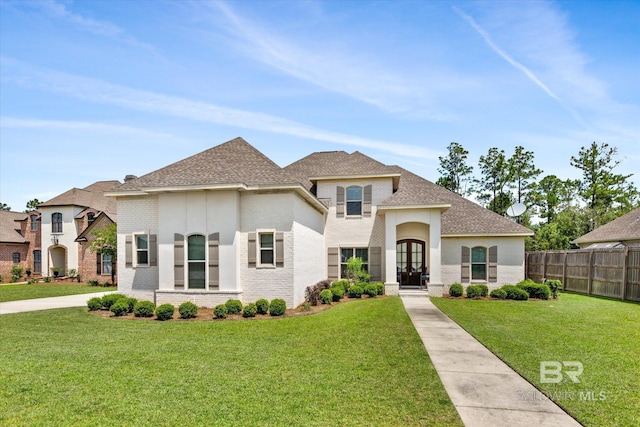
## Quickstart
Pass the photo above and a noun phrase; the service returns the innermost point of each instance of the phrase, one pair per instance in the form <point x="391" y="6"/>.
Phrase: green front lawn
<point x="602" y="334"/>
<point x="45" y="290"/>
<point x="359" y="363"/>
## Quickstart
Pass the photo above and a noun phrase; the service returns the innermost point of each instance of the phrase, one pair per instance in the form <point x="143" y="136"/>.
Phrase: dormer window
<point x="90" y="218"/>
<point x="354" y="201"/>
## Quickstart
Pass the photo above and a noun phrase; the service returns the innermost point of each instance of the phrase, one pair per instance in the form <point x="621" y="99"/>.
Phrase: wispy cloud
<point x="98" y="91"/>
<point x="332" y="66"/>
<point x="59" y="11"/>
<point x="15" y="122"/>
<point x="526" y="71"/>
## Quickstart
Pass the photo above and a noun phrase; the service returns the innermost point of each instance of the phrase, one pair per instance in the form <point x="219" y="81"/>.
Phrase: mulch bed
<point x="206" y="314"/>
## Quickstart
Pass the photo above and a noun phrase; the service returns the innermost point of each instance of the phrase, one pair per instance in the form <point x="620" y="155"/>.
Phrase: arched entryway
<point x="57" y="260"/>
<point x="410" y="263"/>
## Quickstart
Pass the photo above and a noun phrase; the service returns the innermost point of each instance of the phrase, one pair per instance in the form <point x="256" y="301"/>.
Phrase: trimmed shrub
<point x="249" y="310"/>
<point x="484" y="290"/>
<point x="131" y="302"/>
<point x="120" y="307"/>
<point x="535" y="290"/>
<point x="355" y="291"/>
<point x="326" y="296"/>
<point x="554" y="286"/>
<point x="94" y="304"/>
<point x="144" y="309"/>
<point x="456" y="290"/>
<point x="473" y="291"/>
<point x="515" y="293"/>
<point x="312" y="293"/>
<point x="165" y="311"/>
<point x="337" y="293"/>
<point x="498" y="294"/>
<point x="93" y="282"/>
<point x="234" y="306"/>
<point x="109" y="299"/>
<point x="380" y="287"/>
<point x="371" y="290"/>
<point x="344" y="283"/>
<point x="188" y="310"/>
<point x="262" y="306"/>
<point x="277" y="307"/>
<point x="220" y="311"/>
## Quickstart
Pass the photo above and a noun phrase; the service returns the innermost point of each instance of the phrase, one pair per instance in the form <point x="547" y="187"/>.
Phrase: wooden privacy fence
<point x="611" y="273"/>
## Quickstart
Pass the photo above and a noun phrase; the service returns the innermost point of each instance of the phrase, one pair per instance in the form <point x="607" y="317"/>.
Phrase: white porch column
<point x="435" y="256"/>
<point x="392" y="287"/>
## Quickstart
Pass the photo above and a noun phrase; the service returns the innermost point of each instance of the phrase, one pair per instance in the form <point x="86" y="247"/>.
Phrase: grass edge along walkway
<point x="601" y="334"/>
<point x="18" y="292"/>
<point x="359" y="363"/>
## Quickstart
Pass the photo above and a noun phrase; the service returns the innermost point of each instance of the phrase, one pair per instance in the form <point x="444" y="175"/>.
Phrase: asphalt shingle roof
<point x="91" y="196"/>
<point x="234" y="162"/>
<point x="10" y="228"/>
<point x="627" y="227"/>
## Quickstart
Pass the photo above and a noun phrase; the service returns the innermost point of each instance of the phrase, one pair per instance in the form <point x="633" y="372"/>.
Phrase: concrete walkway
<point x="484" y="390"/>
<point x="48" y="303"/>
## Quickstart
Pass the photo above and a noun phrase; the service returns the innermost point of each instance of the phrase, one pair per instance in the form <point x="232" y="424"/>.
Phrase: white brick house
<point x="230" y="223"/>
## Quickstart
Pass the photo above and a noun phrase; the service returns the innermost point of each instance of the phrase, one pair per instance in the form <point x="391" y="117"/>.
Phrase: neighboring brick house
<point x="621" y="232"/>
<point x="230" y="223"/>
<point x="20" y="243"/>
<point x="67" y="222"/>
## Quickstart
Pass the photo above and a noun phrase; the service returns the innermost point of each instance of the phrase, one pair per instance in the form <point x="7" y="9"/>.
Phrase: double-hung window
<point x="34" y="222"/>
<point x="16" y="257"/>
<point x="37" y="262"/>
<point x="107" y="264"/>
<point x="354" y="201"/>
<point x="56" y="222"/>
<point x="142" y="249"/>
<point x="266" y="249"/>
<point x="479" y="263"/>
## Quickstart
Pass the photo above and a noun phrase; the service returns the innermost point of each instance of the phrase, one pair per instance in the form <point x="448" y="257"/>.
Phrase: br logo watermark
<point x="551" y="372"/>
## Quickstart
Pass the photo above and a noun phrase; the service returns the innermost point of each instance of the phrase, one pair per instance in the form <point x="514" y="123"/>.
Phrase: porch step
<point x="414" y="293"/>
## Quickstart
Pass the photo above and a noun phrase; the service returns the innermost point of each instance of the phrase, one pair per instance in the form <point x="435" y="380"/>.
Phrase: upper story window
<point x="266" y="251"/>
<point x="90" y="218"/>
<point x="142" y="249"/>
<point x="34" y="222"/>
<point x="354" y="201"/>
<point x="479" y="263"/>
<point x="56" y="222"/>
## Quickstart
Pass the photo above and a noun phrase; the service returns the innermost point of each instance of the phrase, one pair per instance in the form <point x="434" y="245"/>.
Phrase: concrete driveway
<point x="48" y="303"/>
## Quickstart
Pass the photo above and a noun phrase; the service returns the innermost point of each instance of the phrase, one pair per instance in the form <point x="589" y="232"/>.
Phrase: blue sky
<point x="96" y="90"/>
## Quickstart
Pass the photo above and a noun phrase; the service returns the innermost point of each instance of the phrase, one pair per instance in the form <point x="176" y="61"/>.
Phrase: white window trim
<point x="135" y="249"/>
<point x="259" y="263"/>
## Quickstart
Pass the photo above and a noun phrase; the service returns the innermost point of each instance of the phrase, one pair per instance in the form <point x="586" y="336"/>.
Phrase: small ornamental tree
<point x="105" y="242"/>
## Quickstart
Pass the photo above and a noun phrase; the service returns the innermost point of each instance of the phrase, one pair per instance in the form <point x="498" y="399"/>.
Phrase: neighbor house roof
<point x="10" y="228"/>
<point x="625" y="228"/>
<point x="235" y="162"/>
<point x="91" y="196"/>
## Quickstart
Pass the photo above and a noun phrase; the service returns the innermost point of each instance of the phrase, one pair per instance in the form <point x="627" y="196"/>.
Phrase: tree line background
<point x="558" y="211"/>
